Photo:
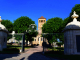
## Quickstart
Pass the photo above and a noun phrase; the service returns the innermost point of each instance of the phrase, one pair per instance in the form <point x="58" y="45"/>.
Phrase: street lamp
<point x="32" y="26"/>
<point x="27" y="31"/>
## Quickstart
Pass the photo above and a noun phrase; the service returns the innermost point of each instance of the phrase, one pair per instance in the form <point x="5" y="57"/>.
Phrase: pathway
<point x="30" y="54"/>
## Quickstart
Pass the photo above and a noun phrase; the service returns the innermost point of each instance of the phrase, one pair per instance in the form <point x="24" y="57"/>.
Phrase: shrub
<point x="16" y="42"/>
<point x="60" y="48"/>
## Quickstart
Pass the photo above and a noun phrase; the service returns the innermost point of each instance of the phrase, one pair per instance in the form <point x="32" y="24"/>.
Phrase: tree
<point x="8" y="24"/>
<point x="8" y="37"/>
<point x="76" y="8"/>
<point x="22" y="24"/>
<point x="18" y="37"/>
<point x="53" y="25"/>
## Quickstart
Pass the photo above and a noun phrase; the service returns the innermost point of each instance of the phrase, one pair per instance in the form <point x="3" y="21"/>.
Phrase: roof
<point x="2" y="27"/>
<point x="42" y="17"/>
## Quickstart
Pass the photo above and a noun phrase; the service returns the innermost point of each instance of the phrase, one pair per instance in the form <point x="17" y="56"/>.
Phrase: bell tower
<point x="41" y="21"/>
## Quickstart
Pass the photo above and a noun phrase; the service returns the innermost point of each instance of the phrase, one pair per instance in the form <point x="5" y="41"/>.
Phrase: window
<point x="35" y="39"/>
<point x="38" y="38"/>
<point x="42" y="39"/>
<point x="41" y="20"/>
<point x="44" y="20"/>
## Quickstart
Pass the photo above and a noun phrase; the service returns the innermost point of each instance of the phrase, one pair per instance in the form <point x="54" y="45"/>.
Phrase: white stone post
<point x="13" y="32"/>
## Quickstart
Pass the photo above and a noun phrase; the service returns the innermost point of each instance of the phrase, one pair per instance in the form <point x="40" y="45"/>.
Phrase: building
<point x="3" y="36"/>
<point x="38" y="39"/>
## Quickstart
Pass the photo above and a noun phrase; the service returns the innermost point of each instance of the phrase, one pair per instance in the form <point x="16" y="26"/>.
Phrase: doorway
<point x="78" y="43"/>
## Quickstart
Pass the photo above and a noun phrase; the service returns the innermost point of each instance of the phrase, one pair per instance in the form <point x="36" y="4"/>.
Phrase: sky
<point x="34" y="9"/>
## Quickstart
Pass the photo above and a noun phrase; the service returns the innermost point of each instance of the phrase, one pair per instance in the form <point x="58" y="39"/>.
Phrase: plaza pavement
<point x="34" y="53"/>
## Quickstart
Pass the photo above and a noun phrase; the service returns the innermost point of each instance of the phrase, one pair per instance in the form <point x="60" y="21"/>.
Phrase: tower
<point x="38" y="39"/>
<point x="41" y="21"/>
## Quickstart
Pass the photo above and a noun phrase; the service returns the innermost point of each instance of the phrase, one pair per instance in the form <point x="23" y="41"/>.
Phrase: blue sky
<point x="34" y="9"/>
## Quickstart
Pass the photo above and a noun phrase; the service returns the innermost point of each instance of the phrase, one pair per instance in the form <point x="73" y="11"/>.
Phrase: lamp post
<point x="23" y="37"/>
<point x="33" y="28"/>
<point x="23" y="42"/>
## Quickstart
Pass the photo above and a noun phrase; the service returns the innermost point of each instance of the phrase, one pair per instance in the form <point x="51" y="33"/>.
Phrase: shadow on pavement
<point x="22" y="58"/>
<point x="7" y="56"/>
<point x="40" y="56"/>
<point x="37" y="56"/>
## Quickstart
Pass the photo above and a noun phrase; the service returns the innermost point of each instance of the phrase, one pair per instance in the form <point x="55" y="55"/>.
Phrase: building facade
<point x="38" y="39"/>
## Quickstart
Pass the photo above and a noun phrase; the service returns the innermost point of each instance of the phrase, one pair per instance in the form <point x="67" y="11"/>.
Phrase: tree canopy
<point x="53" y="25"/>
<point x="8" y="24"/>
<point x="21" y="24"/>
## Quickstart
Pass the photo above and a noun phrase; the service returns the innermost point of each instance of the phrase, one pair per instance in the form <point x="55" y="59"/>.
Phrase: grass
<point x="59" y="54"/>
<point x="12" y="49"/>
<point x="18" y="47"/>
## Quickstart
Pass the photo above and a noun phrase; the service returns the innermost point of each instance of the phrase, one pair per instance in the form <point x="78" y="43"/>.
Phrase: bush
<point x="60" y="48"/>
<point x="16" y="42"/>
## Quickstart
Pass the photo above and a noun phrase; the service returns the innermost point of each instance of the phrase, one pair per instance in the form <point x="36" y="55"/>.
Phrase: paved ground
<point x="30" y="54"/>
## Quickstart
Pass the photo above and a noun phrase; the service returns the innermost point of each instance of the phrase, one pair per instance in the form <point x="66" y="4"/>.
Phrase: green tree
<point x="18" y="37"/>
<point x="76" y="8"/>
<point x="53" y="25"/>
<point x="8" y="24"/>
<point x="9" y="37"/>
<point x="22" y="24"/>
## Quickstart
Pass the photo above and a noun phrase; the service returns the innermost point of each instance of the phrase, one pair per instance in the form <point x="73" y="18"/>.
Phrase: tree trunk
<point x="26" y="42"/>
<point x="49" y="44"/>
<point x="31" y="43"/>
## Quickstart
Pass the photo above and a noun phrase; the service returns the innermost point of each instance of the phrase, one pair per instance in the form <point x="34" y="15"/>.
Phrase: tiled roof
<point x="42" y="17"/>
